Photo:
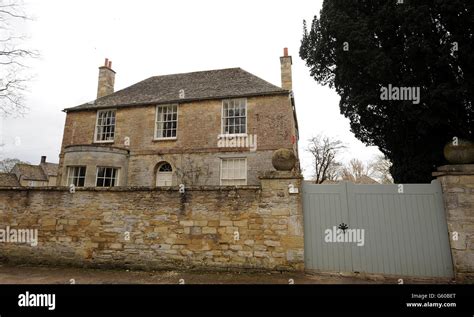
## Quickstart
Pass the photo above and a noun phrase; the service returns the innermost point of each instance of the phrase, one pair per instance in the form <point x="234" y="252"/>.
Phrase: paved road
<point x="24" y="274"/>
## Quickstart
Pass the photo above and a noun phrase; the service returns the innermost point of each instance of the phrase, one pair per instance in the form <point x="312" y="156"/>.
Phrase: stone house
<point x="217" y="127"/>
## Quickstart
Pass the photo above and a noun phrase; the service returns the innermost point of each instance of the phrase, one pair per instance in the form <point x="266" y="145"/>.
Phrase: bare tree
<point x="334" y="171"/>
<point x="12" y="58"/>
<point x="324" y="151"/>
<point x="356" y="170"/>
<point x="381" y="167"/>
<point x="7" y="164"/>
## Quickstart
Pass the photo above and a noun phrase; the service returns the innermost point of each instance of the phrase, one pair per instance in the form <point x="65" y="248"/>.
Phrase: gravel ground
<point x="26" y="274"/>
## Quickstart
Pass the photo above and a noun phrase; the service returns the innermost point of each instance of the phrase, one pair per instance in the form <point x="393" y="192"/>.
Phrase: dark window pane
<point x="166" y="167"/>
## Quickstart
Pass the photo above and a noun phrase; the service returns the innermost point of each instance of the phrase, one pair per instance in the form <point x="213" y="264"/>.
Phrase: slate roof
<point x="50" y="169"/>
<point x="8" y="180"/>
<point x="364" y="179"/>
<point x="31" y="172"/>
<point x="203" y="85"/>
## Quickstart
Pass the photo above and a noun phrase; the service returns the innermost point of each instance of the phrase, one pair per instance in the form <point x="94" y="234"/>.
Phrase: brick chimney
<point x="286" y="62"/>
<point x="106" y="79"/>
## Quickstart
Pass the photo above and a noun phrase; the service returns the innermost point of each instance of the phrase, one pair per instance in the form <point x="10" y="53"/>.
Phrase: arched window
<point x="164" y="174"/>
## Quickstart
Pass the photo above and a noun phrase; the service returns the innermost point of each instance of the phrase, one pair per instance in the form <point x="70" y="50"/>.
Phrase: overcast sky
<point x="148" y="38"/>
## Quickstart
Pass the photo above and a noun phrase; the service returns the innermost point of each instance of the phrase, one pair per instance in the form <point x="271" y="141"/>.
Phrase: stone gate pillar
<point x="282" y="204"/>
<point x="458" y="195"/>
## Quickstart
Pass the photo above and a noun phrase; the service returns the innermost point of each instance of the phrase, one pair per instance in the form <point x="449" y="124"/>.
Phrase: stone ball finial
<point x="459" y="151"/>
<point x="283" y="160"/>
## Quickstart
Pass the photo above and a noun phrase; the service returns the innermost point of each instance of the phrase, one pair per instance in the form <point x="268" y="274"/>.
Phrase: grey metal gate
<point x="404" y="229"/>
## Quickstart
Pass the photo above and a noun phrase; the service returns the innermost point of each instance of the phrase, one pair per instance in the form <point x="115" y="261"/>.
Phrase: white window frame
<point x="97" y="122"/>
<point x="69" y="174"/>
<point x="234" y="158"/>
<point x="117" y="178"/>
<point x="223" y="118"/>
<point x="155" y="134"/>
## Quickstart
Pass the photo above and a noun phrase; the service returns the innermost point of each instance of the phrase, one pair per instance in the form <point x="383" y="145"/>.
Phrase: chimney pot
<point x="106" y="79"/>
<point x="285" y="51"/>
<point x="43" y="159"/>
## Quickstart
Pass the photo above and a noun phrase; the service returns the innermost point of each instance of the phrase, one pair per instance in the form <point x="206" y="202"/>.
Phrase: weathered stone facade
<point x="92" y="155"/>
<point x="270" y="118"/>
<point x="143" y="168"/>
<point x="458" y="193"/>
<point x="256" y="227"/>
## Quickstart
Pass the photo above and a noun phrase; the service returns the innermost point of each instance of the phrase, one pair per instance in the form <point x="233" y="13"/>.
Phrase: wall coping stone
<point x="279" y="175"/>
<point x="96" y="147"/>
<point x="458" y="169"/>
<point x="133" y="188"/>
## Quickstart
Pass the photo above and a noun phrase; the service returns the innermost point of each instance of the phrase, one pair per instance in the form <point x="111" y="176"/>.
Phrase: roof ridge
<point x="166" y="75"/>
<point x="198" y="71"/>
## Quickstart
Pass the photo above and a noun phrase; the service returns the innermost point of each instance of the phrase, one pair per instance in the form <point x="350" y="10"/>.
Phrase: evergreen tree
<point x="362" y="47"/>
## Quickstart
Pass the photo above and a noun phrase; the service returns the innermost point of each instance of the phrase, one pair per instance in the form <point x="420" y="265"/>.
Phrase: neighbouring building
<point x="8" y="180"/>
<point x="217" y="127"/>
<point x="22" y="174"/>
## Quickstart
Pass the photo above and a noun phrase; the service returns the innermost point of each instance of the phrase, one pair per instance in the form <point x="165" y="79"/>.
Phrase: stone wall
<point x="259" y="227"/>
<point x="458" y="193"/>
